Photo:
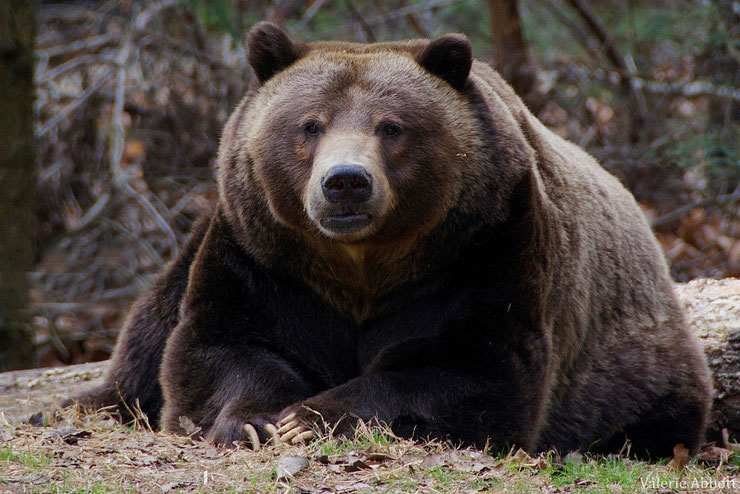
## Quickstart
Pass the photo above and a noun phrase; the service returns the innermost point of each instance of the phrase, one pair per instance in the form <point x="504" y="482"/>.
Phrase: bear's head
<point x="356" y="144"/>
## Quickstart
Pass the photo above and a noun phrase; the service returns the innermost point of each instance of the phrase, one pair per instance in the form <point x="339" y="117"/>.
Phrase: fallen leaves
<point x="121" y="458"/>
<point x="680" y="458"/>
<point x="68" y="435"/>
<point x="289" y="466"/>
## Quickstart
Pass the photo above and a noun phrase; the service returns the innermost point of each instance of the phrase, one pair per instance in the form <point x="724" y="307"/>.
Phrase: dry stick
<point x="309" y="14"/>
<point x="86" y="44"/>
<point x="395" y="14"/>
<point x="416" y="26"/>
<point x="184" y="47"/>
<point x="573" y="27"/>
<point x="690" y="89"/>
<point x="636" y="99"/>
<point x="361" y="21"/>
<point x="118" y="138"/>
<point x="92" y="214"/>
<point x="71" y="64"/>
<point x="674" y="215"/>
<point x="140" y="239"/>
<point x="153" y="212"/>
<point x="75" y="104"/>
<point x="403" y="12"/>
<point x="185" y="199"/>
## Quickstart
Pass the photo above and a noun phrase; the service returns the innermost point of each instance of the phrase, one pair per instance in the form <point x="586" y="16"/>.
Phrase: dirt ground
<point x="96" y="454"/>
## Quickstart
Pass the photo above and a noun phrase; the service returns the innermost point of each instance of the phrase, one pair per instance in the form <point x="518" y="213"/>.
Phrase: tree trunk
<point x="511" y="56"/>
<point x="17" y="180"/>
<point x="712" y="306"/>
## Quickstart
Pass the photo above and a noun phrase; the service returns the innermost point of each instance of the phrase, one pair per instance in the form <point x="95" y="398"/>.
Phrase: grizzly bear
<point x="398" y="239"/>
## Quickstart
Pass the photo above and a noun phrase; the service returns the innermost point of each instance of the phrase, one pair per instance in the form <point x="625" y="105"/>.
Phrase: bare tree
<point x="17" y="180"/>
<point x="510" y="51"/>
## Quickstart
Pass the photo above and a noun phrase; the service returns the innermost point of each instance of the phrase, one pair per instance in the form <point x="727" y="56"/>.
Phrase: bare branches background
<point x="132" y="96"/>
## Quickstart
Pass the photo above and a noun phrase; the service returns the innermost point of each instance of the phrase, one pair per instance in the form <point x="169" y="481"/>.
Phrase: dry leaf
<point x="69" y="436"/>
<point x="356" y="465"/>
<point x="680" y="458"/>
<point x="713" y="454"/>
<point x="433" y="461"/>
<point x="379" y="457"/>
<point x="188" y="426"/>
<point x="289" y="466"/>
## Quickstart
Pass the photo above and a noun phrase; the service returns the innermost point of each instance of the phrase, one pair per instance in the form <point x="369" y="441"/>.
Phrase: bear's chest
<point x="335" y="347"/>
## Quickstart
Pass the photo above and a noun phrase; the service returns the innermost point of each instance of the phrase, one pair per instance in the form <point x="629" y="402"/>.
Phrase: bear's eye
<point x="390" y="130"/>
<point x="312" y="128"/>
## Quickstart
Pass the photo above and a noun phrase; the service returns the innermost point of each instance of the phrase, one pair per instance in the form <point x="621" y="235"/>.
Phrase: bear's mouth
<point x="347" y="223"/>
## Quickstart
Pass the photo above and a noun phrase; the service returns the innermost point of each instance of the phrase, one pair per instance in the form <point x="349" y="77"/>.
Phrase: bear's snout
<point x="348" y="194"/>
<point x="347" y="184"/>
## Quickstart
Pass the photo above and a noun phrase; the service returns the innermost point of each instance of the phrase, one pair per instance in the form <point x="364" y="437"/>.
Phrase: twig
<point x="116" y="148"/>
<point x="80" y="336"/>
<point x="308" y="15"/>
<point x="557" y="11"/>
<point x="154" y="213"/>
<point x="674" y="215"/>
<point x="404" y="11"/>
<point x="597" y="28"/>
<point x="183" y="47"/>
<point x="690" y="89"/>
<point x="89" y="91"/>
<point x="146" y="15"/>
<point x="87" y="44"/>
<point x="92" y="213"/>
<point x="416" y="26"/>
<point x="395" y="14"/>
<point x="71" y="64"/>
<point x="185" y="199"/>
<point x="369" y="34"/>
<point x="146" y="245"/>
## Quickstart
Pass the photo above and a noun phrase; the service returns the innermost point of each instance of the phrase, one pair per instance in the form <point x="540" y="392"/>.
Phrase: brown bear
<point x="398" y="239"/>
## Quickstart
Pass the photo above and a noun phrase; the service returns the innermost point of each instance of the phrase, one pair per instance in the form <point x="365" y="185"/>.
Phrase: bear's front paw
<point x="256" y="432"/>
<point x="303" y="422"/>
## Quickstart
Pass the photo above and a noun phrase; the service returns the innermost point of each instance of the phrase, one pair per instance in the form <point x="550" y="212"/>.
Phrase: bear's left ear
<point x="448" y="57"/>
<point x="271" y="50"/>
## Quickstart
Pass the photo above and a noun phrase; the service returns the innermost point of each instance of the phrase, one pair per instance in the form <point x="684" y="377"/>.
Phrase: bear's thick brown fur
<point x="399" y="239"/>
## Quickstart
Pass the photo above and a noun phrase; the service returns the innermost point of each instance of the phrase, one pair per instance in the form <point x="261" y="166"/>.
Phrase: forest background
<point x="127" y="101"/>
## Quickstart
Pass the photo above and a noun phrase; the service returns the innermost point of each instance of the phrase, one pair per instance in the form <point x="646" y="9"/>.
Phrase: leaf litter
<point x="81" y="451"/>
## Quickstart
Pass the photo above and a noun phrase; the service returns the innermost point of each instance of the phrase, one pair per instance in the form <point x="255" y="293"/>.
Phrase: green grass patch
<point x="9" y="454"/>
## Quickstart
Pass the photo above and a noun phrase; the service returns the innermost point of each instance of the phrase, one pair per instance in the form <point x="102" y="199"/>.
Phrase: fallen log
<point x="712" y="306"/>
<point x="713" y="310"/>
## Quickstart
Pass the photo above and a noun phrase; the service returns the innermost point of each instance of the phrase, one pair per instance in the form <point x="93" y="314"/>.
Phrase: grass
<point x="94" y="454"/>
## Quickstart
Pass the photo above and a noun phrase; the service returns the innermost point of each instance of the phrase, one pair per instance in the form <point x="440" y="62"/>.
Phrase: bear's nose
<point x="347" y="184"/>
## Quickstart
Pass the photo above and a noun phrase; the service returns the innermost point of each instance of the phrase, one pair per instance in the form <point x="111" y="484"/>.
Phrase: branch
<point x="369" y="34"/>
<point x="388" y="16"/>
<point x="309" y="14"/>
<point x="677" y="213"/>
<point x="71" y="64"/>
<point x="87" y="44"/>
<point x="403" y="12"/>
<point x="89" y="91"/>
<point x="690" y="89"/>
<point x="558" y="13"/>
<point x="635" y="97"/>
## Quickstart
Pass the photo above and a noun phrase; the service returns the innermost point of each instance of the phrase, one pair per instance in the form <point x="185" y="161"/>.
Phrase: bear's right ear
<point x="449" y="57"/>
<point x="271" y="50"/>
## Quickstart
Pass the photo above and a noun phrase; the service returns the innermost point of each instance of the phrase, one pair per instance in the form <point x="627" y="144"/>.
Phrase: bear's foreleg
<point x="231" y="393"/>
<point x="466" y="407"/>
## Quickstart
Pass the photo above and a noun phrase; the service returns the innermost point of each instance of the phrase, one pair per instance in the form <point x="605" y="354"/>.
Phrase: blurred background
<point x="111" y="113"/>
